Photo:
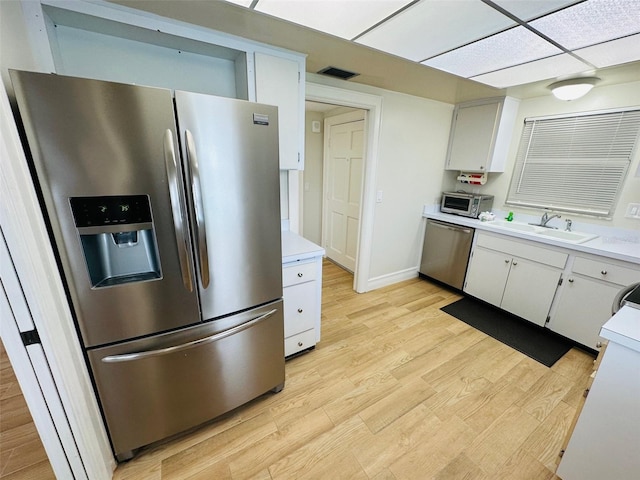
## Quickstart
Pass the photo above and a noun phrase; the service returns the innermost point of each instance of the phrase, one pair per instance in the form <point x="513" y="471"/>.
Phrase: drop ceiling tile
<point x="529" y="9"/>
<point x="431" y="27"/>
<point x="513" y="47"/>
<point x="615" y="52"/>
<point x="592" y="22"/>
<point x="342" y="18"/>
<point x="546" y="68"/>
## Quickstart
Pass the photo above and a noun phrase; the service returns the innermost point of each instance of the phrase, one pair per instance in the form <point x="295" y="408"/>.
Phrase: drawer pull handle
<point x="300" y="275"/>
<point x="571" y="280"/>
<point x="603" y="272"/>
<point x="299" y="344"/>
<point x="126" y="357"/>
<point x="299" y="310"/>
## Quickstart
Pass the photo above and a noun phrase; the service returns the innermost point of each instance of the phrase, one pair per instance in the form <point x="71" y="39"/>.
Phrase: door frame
<point x="373" y="105"/>
<point x="351" y="117"/>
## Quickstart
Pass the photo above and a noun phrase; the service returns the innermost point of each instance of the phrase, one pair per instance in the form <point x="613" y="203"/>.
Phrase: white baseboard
<point x="391" y="278"/>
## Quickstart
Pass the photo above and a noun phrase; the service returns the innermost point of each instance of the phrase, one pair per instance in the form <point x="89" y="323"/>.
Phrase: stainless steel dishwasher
<point x="445" y="253"/>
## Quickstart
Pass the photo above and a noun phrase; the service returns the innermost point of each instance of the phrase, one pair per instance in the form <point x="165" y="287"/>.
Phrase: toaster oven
<point x="465" y="204"/>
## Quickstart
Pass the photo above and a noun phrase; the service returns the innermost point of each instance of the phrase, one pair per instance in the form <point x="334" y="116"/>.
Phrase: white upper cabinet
<point x="278" y="82"/>
<point x="481" y="133"/>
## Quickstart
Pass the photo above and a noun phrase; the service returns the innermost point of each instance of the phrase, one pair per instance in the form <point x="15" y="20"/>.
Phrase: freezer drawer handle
<point x="196" y="192"/>
<point x="127" y="357"/>
<point x="177" y="209"/>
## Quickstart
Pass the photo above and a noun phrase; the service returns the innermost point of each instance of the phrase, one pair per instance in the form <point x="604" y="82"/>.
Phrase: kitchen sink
<point x="569" y="237"/>
<point x="572" y="237"/>
<point x="520" y="227"/>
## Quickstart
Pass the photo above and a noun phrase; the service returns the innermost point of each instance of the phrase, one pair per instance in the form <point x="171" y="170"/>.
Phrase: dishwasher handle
<point x="438" y="224"/>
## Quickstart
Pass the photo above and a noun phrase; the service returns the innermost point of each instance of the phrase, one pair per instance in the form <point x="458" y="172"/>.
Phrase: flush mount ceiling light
<point x="573" y="88"/>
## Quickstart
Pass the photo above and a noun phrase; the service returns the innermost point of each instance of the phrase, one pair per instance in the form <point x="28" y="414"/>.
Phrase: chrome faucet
<point x="546" y="218"/>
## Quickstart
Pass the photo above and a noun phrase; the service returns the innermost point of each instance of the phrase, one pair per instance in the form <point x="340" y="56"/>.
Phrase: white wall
<point x="413" y="146"/>
<point x="312" y="179"/>
<point x="14" y="42"/>
<point x="600" y="98"/>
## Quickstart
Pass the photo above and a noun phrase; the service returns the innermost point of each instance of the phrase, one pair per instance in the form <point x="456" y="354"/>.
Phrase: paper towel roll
<point x="473" y="178"/>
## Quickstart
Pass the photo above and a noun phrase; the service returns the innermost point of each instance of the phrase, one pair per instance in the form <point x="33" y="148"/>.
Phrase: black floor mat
<point x="536" y="342"/>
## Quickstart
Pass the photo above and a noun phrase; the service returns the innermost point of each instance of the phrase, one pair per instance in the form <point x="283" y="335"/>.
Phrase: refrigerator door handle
<point x="177" y="209"/>
<point x="128" y="357"/>
<point x="196" y="191"/>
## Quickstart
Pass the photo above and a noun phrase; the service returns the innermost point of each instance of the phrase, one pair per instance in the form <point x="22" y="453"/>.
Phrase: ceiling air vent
<point x="338" y="73"/>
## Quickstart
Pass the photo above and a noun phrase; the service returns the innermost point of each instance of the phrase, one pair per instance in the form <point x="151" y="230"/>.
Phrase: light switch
<point x="379" y="196"/>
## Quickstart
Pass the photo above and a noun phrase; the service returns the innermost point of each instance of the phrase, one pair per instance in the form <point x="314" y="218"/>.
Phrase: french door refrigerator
<point x="164" y="211"/>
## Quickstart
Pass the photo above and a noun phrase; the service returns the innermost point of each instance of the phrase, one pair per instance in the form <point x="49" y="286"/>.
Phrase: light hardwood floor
<point x="396" y="389"/>
<point x="22" y="456"/>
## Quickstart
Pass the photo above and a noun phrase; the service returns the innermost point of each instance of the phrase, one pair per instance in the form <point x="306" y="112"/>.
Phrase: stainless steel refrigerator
<point x="164" y="212"/>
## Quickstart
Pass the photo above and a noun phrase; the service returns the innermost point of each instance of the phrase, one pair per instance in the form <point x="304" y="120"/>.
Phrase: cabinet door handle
<point x="299" y="310"/>
<point x="507" y="261"/>
<point x="515" y="263"/>
<point x="603" y="272"/>
<point x="571" y="280"/>
<point x="300" y="275"/>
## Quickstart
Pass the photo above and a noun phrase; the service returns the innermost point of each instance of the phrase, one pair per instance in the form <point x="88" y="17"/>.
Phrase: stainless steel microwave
<point x="465" y="204"/>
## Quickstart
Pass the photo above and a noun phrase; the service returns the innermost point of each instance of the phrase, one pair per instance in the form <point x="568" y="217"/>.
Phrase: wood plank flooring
<point x="22" y="456"/>
<point x="396" y="389"/>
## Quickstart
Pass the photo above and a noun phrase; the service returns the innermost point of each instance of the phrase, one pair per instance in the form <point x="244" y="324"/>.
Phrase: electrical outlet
<point x="633" y="211"/>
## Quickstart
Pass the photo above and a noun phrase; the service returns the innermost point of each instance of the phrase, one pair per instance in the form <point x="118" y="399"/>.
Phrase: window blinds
<point x="574" y="163"/>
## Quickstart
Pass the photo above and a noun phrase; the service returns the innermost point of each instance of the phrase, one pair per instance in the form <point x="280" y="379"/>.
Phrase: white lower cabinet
<point x="517" y="276"/>
<point x="302" y="281"/>
<point x="586" y="296"/>
<point x="530" y="290"/>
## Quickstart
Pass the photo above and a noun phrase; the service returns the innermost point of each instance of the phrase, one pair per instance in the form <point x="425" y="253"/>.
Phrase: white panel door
<point x="344" y="192"/>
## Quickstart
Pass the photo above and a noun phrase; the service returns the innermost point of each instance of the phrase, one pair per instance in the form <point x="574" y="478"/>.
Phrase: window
<point x="574" y="163"/>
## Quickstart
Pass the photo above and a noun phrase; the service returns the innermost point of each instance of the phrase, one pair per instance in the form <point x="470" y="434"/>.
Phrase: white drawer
<point x="603" y="270"/>
<point x="523" y="249"/>
<point x="298" y="273"/>
<point x="299" y="342"/>
<point x="300" y="306"/>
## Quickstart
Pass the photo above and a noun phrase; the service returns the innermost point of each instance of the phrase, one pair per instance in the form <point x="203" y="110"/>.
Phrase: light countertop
<point x="624" y="328"/>
<point x="296" y="248"/>
<point x="610" y="242"/>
